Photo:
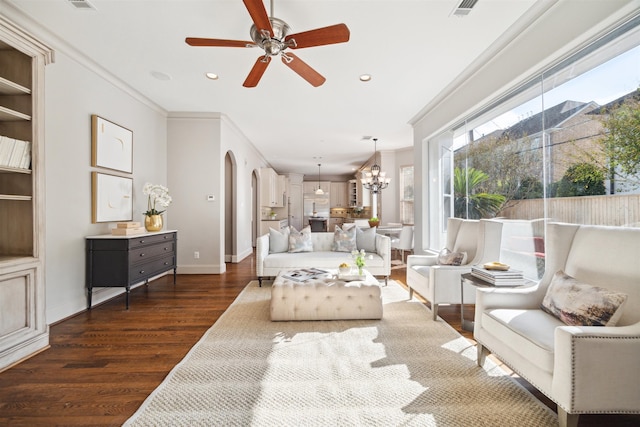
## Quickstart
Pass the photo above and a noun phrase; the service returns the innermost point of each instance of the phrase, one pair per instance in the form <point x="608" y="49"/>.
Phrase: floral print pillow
<point x="344" y="240"/>
<point x="300" y="241"/>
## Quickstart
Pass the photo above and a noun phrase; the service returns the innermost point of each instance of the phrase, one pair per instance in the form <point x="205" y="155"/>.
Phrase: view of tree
<point x="511" y="166"/>
<point x="469" y="203"/>
<point x="581" y="179"/>
<point x="621" y="141"/>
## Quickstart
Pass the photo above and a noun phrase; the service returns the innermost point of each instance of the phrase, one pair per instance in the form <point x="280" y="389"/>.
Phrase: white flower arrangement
<point x="158" y="196"/>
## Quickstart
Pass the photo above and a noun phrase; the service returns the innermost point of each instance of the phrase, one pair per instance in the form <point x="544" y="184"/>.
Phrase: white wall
<point x="197" y="145"/>
<point x="72" y="94"/>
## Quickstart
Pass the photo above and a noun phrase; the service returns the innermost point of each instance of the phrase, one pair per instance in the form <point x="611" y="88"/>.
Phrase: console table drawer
<point x="149" y="269"/>
<point x="139" y="241"/>
<point x="147" y="252"/>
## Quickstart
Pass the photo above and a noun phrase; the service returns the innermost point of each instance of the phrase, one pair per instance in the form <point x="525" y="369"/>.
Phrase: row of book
<point x="509" y="277"/>
<point x="15" y="153"/>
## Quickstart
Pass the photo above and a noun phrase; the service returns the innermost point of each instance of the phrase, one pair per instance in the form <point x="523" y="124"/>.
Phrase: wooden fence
<point x="616" y="210"/>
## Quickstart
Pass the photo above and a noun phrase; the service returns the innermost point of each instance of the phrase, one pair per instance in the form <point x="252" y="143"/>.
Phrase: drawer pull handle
<point x="166" y="263"/>
<point x="141" y="241"/>
<point x="166" y="249"/>
<point x="142" y="254"/>
<point x="141" y="271"/>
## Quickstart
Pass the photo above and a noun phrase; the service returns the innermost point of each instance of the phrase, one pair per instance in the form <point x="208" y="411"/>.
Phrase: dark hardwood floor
<point x="103" y="363"/>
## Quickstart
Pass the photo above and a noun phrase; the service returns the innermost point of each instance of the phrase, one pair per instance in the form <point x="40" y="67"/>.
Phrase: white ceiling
<point x="413" y="50"/>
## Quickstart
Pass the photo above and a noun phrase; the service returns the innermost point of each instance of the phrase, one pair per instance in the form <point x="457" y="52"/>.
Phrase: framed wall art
<point x="111" y="198"/>
<point x="111" y="145"/>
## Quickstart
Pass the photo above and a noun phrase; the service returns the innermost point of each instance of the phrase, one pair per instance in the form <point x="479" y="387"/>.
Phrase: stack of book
<point x="15" y="153"/>
<point x="498" y="278"/>
<point x="127" y="229"/>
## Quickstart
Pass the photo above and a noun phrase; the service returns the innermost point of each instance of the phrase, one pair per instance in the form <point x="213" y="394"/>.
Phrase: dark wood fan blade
<point x="338" y="33"/>
<point x="194" y="41"/>
<point x="258" y="15"/>
<point x="257" y="71"/>
<point x="303" y="70"/>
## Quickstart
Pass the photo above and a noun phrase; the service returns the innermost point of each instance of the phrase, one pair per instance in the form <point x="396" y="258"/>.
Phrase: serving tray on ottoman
<point x="325" y="298"/>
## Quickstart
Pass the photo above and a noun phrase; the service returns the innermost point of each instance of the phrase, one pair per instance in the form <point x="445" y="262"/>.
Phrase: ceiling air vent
<point x="81" y="4"/>
<point x="464" y="8"/>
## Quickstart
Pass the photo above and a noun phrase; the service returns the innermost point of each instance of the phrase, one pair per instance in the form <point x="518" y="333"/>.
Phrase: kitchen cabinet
<point x="364" y="195"/>
<point x="357" y="194"/>
<point x="272" y="188"/>
<point x="352" y="192"/>
<point x="338" y="195"/>
<point x="295" y="199"/>
<point x="23" y="327"/>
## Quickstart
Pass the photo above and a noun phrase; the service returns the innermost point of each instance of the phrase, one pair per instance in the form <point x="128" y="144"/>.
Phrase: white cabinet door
<point x="338" y="195"/>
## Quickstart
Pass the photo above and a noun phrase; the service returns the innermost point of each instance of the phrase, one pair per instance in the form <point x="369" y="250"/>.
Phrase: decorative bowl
<point x="344" y="270"/>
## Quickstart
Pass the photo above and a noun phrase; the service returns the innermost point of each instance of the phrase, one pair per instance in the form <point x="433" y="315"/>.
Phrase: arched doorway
<point x="230" y="232"/>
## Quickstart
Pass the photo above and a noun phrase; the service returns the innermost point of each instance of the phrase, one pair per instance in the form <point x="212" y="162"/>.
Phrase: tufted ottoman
<point x="325" y="298"/>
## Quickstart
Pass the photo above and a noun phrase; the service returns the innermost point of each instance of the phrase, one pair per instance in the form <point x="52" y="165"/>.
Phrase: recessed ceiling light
<point x="160" y="75"/>
<point x="365" y="77"/>
<point x="212" y="76"/>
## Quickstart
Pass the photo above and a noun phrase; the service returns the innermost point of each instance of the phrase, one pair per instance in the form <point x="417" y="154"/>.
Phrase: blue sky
<point x="602" y="84"/>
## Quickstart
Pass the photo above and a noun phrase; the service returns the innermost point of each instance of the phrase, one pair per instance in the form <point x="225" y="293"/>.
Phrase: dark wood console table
<point x="122" y="261"/>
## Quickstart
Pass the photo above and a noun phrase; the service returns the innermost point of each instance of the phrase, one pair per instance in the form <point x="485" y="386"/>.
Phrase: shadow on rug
<point x="402" y="370"/>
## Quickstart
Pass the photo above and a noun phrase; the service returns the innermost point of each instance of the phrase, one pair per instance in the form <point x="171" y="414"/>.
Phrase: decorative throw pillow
<point x="300" y="241"/>
<point x="278" y="240"/>
<point x="446" y="257"/>
<point x="366" y="239"/>
<point x="344" y="240"/>
<point x="577" y="303"/>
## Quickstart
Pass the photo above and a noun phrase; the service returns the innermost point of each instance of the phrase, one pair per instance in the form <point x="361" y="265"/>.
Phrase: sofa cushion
<point x="366" y="239"/>
<point x="300" y="241"/>
<point x="278" y="240"/>
<point x="529" y="333"/>
<point x="577" y="303"/>
<point x="344" y="240"/>
<point x="446" y="257"/>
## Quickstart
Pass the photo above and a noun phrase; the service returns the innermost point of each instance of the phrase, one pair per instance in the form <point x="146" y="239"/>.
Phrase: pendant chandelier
<point x="319" y="190"/>
<point x="376" y="180"/>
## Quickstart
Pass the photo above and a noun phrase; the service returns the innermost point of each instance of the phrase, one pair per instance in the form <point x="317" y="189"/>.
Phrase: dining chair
<point x="404" y="242"/>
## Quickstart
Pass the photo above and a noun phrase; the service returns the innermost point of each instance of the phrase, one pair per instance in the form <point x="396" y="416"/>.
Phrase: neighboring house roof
<point x="553" y="118"/>
<point x="606" y="108"/>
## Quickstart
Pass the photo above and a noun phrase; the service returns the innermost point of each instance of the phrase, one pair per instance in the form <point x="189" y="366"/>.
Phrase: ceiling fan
<point x="272" y="35"/>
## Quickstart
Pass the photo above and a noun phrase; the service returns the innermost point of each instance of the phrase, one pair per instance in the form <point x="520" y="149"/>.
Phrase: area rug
<point x="403" y="370"/>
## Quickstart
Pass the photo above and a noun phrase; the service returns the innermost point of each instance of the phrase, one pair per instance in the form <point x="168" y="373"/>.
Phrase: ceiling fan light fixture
<point x="365" y="77"/>
<point x="211" y="76"/>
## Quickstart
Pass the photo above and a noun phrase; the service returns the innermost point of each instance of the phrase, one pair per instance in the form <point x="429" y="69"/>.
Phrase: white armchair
<point x="584" y="369"/>
<point x="440" y="284"/>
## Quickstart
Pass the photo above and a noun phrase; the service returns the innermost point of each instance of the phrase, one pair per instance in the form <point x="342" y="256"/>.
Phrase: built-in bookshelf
<point x="23" y="326"/>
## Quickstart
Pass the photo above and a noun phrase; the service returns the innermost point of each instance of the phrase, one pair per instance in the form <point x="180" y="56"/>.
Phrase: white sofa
<point x="584" y="369"/>
<point x="270" y="264"/>
<point x="440" y="284"/>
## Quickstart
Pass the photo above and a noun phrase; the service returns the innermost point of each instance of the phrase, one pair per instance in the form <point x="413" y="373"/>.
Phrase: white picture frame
<point x="111" y="145"/>
<point x="111" y="198"/>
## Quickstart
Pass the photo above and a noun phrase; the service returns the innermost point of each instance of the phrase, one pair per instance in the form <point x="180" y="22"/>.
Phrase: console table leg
<point x="174" y="275"/>
<point x="127" y="297"/>
<point x="89" y="293"/>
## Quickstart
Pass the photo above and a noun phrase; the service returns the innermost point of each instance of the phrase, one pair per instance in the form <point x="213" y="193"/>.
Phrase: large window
<point x="565" y="146"/>
<point x="406" y="194"/>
